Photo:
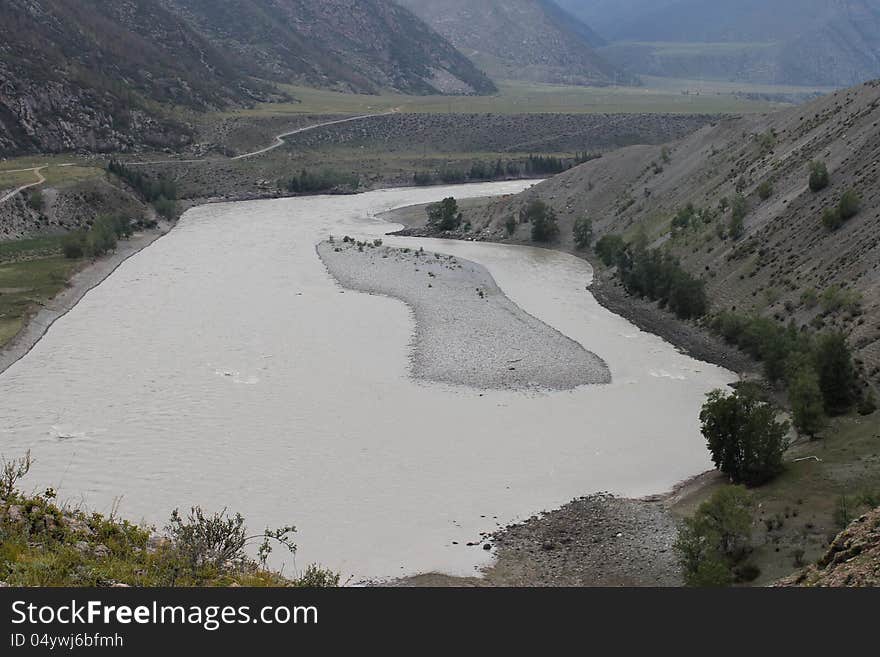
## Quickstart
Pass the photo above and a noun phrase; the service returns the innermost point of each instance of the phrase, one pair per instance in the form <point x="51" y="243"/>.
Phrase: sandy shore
<point x="79" y="285"/>
<point x="467" y="331"/>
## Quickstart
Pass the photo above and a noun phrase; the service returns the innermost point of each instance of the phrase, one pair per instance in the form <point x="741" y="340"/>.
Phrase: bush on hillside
<point x="819" y="178"/>
<point x="583" y="233"/>
<point x="714" y="543"/>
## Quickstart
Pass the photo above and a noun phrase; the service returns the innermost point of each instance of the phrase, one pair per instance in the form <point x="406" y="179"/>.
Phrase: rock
<point x="15" y="513"/>
<point x="81" y="546"/>
<point x="79" y="526"/>
<point x="487" y="546"/>
<point x="101" y="551"/>
<point x="155" y="543"/>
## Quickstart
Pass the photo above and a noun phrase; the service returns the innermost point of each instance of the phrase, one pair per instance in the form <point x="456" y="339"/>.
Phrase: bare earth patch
<point x="467" y="331"/>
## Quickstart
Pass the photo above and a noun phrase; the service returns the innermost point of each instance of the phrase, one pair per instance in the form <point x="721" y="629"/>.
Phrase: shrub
<point x="510" y="225"/>
<point x="609" y="249"/>
<point x="831" y="219"/>
<point x="444" y="215"/>
<point x="740" y="208"/>
<point x="819" y="178"/>
<point x="423" y="178"/>
<point x="746" y="441"/>
<point x="583" y="232"/>
<point x="308" y="182"/>
<point x="35" y="200"/>
<point x="74" y="245"/>
<point x="765" y="190"/>
<point x="166" y="207"/>
<point x="716" y="540"/>
<point x="849" y="206"/>
<point x="219" y="540"/>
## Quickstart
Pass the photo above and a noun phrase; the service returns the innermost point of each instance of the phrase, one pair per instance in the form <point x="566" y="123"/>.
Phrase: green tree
<point x="545" y="226"/>
<point x="713" y="543"/>
<point x="819" y="178"/>
<point x="609" y="249"/>
<point x="583" y="233"/>
<point x="837" y="373"/>
<point x="444" y="215"/>
<point x="746" y="441"/>
<point x="807" y="404"/>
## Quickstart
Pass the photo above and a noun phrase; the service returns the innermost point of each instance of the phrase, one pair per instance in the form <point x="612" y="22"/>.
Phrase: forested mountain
<point x="533" y="40"/>
<point x="109" y="76"/>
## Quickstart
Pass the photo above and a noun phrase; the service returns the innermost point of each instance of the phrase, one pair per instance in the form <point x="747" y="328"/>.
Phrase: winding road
<point x="36" y="170"/>
<point x="279" y="141"/>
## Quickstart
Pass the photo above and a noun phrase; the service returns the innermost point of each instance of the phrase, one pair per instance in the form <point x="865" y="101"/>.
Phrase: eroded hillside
<point x="786" y="263"/>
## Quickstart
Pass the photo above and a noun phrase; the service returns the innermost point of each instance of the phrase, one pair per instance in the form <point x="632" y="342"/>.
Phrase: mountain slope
<point x="803" y="42"/>
<point x="533" y="40"/>
<point x="787" y="264"/>
<point x="83" y="74"/>
<point x="361" y="46"/>
<point x="112" y="76"/>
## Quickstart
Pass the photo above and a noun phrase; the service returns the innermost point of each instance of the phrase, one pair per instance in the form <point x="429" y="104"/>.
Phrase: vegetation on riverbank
<point x="32" y="272"/>
<point x="43" y="543"/>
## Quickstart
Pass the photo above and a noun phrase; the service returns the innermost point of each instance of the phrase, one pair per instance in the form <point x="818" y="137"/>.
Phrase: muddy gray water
<point x="223" y="366"/>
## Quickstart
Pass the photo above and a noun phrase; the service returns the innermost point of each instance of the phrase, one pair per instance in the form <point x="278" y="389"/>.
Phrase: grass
<point x="32" y="272"/>
<point x="516" y="98"/>
<point x="61" y="169"/>
<point x="799" y="512"/>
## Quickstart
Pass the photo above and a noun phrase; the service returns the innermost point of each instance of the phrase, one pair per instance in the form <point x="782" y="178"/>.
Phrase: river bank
<point x="86" y="279"/>
<point x="599" y="540"/>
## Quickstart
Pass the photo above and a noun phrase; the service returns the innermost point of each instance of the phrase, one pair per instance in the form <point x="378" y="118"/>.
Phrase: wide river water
<point x="223" y="366"/>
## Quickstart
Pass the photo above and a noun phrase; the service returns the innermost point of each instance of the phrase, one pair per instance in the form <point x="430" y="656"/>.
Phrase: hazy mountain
<point x="803" y="42"/>
<point x="532" y="40"/>
<point x="108" y="76"/>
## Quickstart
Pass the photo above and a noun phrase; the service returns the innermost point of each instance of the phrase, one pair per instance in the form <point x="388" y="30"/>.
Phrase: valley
<point x="450" y="286"/>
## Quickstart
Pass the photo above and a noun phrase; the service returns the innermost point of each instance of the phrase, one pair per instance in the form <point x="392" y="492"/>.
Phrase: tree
<point x="583" y="232"/>
<point x="819" y="178"/>
<point x="545" y="226"/>
<point x="444" y="215"/>
<point x="808" y="407"/>
<point x="765" y="190"/>
<point x="716" y="539"/>
<point x="746" y="441"/>
<point x="609" y="249"/>
<point x="837" y="373"/>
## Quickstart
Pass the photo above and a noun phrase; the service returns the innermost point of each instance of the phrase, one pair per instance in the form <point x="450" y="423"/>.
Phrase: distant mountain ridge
<point x="531" y="40"/>
<point x="113" y="76"/>
<point x="799" y="42"/>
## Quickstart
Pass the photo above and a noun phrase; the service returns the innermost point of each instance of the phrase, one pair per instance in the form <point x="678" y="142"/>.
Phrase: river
<point x="223" y="366"/>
